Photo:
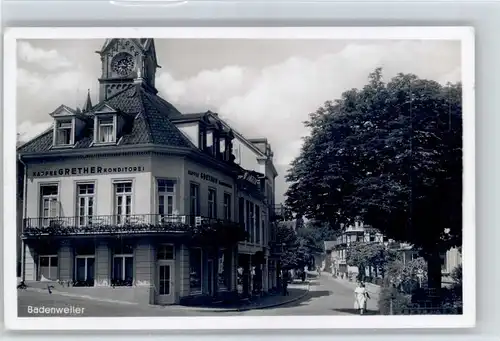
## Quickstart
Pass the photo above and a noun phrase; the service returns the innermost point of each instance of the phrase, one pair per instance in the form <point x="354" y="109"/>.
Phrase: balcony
<point x="113" y="224"/>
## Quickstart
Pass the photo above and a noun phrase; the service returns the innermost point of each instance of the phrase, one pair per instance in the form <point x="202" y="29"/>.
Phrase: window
<point x="123" y="202"/>
<point x="222" y="146"/>
<point x="165" y="252"/>
<point x="257" y="224"/>
<point x="166" y="199"/>
<point x="195" y="268"/>
<point x="105" y="130"/>
<point x="210" y="139"/>
<point x="48" y="267"/>
<point x="85" y="203"/>
<point x="241" y="211"/>
<point x="84" y="264"/>
<point x="265" y="232"/>
<point x="49" y="203"/>
<point x="194" y="194"/>
<point x="251" y="222"/>
<point x="123" y="265"/>
<point x="203" y="140"/>
<point x="223" y="269"/>
<point x="64" y="133"/>
<point x="84" y="270"/>
<point x="227" y="206"/>
<point x="212" y="203"/>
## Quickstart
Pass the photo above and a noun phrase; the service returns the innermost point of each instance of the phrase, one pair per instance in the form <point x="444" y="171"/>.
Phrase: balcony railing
<point x="112" y="224"/>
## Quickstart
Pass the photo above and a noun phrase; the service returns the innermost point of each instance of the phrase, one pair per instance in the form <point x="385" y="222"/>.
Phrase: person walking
<point x="285" y="283"/>
<point x="361" y="297"/>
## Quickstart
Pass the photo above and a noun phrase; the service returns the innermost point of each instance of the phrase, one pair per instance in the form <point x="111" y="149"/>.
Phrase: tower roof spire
<point x="87" y="106"/>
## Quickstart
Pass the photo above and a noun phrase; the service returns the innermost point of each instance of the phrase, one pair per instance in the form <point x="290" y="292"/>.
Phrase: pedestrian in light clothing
<point x="285" y="277"/>
<point x="361" y="297"/>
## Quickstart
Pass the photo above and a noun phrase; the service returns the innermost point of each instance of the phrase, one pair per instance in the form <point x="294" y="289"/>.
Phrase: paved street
<point x="326" y="297"/>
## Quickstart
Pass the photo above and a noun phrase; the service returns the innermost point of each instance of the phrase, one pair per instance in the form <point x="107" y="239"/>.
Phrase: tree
<point x="391" y="155"/>
<point x="367" y="255"/>
<point x="456" y="275"/>
<point x="406" y="275"/>
<point x="294" y="254"/>
<point x="314" y="234"/>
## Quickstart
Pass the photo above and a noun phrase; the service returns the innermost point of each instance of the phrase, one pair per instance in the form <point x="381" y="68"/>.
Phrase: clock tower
<point x="125" y="62"/>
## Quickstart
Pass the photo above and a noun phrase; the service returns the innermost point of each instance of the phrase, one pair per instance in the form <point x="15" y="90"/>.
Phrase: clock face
<point x="123" y="64"/>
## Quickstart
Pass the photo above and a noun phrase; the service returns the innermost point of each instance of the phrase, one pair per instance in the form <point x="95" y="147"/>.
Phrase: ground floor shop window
<point x="223" y="271"/>
<point x="195" y="270"/>
<point x="84" y="273"/>
<point x="123" y="270"/>
<point x="48" y="267"/>
<point x="84" y="270"/>
<point x="123" y="265"/>
<point x="239" y="278"/>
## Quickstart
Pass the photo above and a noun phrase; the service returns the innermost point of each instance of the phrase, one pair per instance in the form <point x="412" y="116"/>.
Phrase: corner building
<point x="133" y="196"/>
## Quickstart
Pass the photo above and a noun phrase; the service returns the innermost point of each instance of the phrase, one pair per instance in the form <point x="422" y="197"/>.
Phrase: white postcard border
<point x="467" y="320"/>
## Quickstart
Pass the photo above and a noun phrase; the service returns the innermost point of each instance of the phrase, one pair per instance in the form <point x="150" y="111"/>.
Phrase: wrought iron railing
<point x="431" y="311"/>
<point x="112" y="224"/>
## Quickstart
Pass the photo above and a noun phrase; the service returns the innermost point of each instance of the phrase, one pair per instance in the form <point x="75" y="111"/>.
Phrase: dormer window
<point x="64" y="134"/>
<point x="108" y="125"/>
<point x="106" y="132"/>
<point x="68" y="125"/>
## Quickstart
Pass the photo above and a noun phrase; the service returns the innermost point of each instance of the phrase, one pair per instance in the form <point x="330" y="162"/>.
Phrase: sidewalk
<point x="297" y="291"/>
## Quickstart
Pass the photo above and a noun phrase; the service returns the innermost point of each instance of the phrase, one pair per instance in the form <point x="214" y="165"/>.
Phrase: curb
<point x="233" y="310"/>
<point x="86" y="297"/>
<point x="175" y="307"/>
<point x="306" y="292"/>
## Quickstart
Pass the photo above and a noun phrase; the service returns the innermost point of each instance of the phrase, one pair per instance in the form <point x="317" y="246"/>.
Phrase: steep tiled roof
<point x="150" y="122"/>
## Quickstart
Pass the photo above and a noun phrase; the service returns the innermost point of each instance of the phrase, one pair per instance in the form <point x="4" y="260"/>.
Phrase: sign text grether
<point x="208" y="177"/>
<point x="87" y="170"/>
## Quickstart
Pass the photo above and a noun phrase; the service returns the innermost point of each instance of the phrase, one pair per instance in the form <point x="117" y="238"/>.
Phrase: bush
<point x="456" y="275"/>
<point x="400" y="301"/>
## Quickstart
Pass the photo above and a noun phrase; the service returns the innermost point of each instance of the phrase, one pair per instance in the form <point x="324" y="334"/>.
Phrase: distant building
<point x="450" y="260"/>
<point x="337" y="249"/>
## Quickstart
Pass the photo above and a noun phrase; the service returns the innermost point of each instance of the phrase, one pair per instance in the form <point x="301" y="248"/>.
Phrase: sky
<point x="263" y="88"/>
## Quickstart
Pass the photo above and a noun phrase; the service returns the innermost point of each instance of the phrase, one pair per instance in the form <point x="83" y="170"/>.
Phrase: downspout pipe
<point x="25" y="210"/>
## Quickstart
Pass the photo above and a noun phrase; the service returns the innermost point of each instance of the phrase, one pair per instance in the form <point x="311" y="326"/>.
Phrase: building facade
<point x="131" y="194"/>
<point x="337" y="249"/>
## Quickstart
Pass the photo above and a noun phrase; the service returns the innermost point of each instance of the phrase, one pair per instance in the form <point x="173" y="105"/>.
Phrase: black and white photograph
<point x="223" y="177"/>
